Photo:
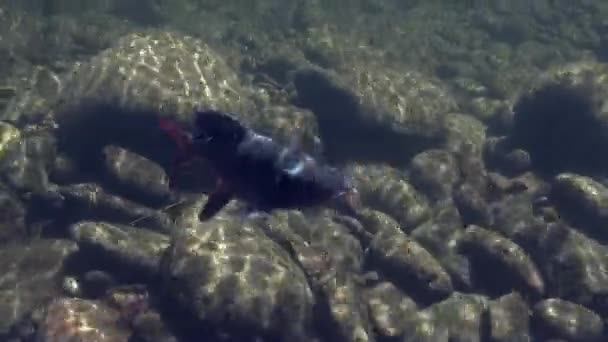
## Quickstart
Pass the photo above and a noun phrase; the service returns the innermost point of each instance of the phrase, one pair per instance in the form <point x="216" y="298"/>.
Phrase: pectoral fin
<point x="217" y="200"/>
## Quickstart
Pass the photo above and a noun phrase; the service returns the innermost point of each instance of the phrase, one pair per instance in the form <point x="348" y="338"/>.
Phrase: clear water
<point x="492" y="110"/>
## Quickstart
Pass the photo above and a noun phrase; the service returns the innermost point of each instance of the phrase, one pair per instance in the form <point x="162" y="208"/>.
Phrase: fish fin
<point x="176" y="133"/>
<point x="217" y="200"/>
<point x="184" y="147"/>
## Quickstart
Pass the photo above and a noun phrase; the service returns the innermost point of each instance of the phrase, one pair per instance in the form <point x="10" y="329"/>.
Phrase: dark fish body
<point x="256" y="169"/>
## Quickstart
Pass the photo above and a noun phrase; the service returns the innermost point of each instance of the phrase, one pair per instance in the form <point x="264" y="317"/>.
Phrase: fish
<point x="256" y="169"/>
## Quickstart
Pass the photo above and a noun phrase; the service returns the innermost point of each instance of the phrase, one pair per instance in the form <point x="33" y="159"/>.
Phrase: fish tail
<point x="176" y="133"/>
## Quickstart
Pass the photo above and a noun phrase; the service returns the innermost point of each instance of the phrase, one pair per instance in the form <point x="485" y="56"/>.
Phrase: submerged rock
<point x="458" y="318"/>
<point x="12" y="217"/>
<point x="386" y="189"/>
<point x="233" y="276"/>
<point x="489" y="251"/>
<point x="463" y="131"/>
<point x="562" y="319"/>
<point x="373" y="102"/>
<point x="561" y="120"/>
<point x="440" y="236"/>
<point x="583" y="200"/>
<point x="509" y="319"/>
<point x="79" y="319"/>
<point x="31" y="275"/>
<point x="327" y="233"/>
<point x="89" y="201"/>
<point x="435" y="172"/>
<point x="26" y="157"/>
<point x="575" y="266"/>
<point x="135" y="177"/>
<point x="333" y="273"/>
<point x="136" y="249"/>
<point x="389" y="308"/>
<point x="404" y="261"/>
<point x="462" y="315"/>
<point x="124" y="88"/>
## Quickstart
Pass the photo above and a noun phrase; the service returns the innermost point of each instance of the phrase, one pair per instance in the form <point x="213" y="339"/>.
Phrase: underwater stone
<point x="584" y="200"/>
<point x="135" y="176"/>
<point x="220" y="269"/>
<point x="575" y="266"/>
<point x="9" y="134"/>
<point x="514" y="217"/>
<point x="372" y="102"/>
<point x="31" y="275"/>
<point x="461" y="315"/>
<point x="142" y="75"/>
<point x="333" y="276"/>
<point x="408" y="264"/>
<point x="92" y="202"/>
<point x="434" y="172"/>
<point x="386" y="189"/>
<point x="440" y="236"/>
<point x="389" y="308"/>
<point x="509" y="319"/>
<point x="424" y="327"/>
<point x="486" y="108"/>
<point x="79" y="319"/>
<point x="25" y="163"/>
<point x="326" y="232"/>
<point x="12" y="217"/>
<point x="563" y="319"/>
<point x="65" y="170"/>
<point x="517" y="161"/>
<point x="562" y="119"/>
<point x="138" y="250"/>
<point x="95" y="283"/>
<point x="347" y="309"/>
<point x="34" y="97"/>
<point x="463" y="129"/>
<point x="492" y="250"/>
